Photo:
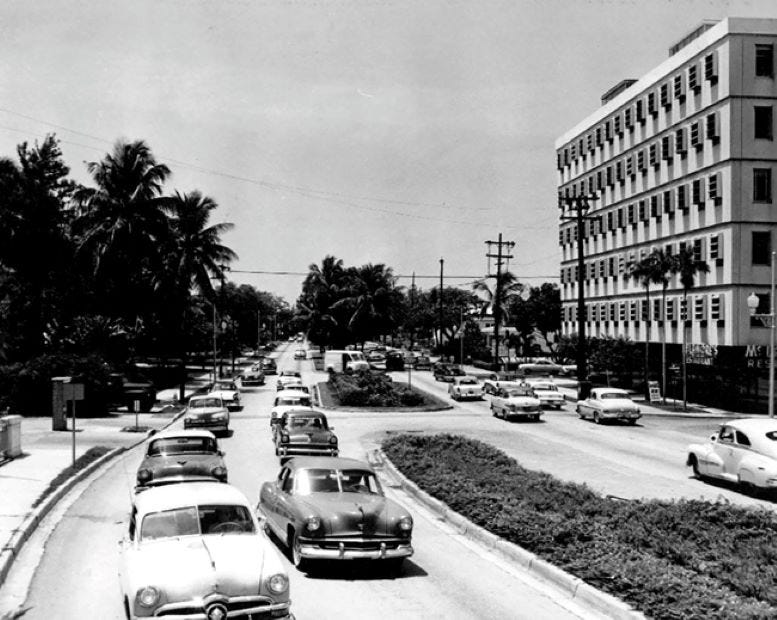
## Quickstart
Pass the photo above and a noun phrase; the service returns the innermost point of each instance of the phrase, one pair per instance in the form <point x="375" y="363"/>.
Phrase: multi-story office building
<point x="685" y="156"/>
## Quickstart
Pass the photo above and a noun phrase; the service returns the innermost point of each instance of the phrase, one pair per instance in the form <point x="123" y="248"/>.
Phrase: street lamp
<point x="769" y="321"/>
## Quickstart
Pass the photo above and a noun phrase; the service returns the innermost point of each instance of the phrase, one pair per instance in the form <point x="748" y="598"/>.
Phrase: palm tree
<point x="663" y="266"/>
<point x="644" y="271"/>
<point x="322" y="288"/>
<point x="122" y="223"/>
<point x="506" y="287"/>
<point x="193" y="255"/>
<point x="687" y="266"/>
<point x="372" y="300"/>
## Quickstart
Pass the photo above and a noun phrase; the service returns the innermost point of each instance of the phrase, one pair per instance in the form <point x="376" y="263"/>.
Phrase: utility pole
<point x="258" y="330"/>
<point x="441" y="268"/>
<point x="224" y="269"/>
<point x="412" y="309"/>
<point x="577" y="207"/>
<point x="498" y="288"/>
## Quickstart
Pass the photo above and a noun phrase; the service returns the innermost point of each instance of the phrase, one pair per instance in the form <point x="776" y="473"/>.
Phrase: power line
<point x="404" y="276"/>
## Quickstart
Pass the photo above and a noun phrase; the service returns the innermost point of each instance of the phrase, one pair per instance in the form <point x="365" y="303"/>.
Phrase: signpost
<point x="654" y="389"/>
<point x="73" y="392"/>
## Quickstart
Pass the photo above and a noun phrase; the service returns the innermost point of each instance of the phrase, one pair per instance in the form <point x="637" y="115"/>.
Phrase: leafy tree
<point x="505" y="286"/>
<point x="545" y="303"/>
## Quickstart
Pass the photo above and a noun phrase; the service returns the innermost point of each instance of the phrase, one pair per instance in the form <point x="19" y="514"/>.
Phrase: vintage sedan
<point x="335" y="509"/>
<point x="492" y="385"/>
<point x="741" y="451"/>
<point x="269" y="366"/>
<point x="609" y="404"/>
<point x="547" y="392"/>
<point x="541" y="367"/>
<point x="206" y="412"/>
<point x="286" y="377"/>
<point x="447" y="372"/>
<point x="422" y="362"/>
<point x="227" y="390"/>
<point x="197" y="551"/>
<point x="304" y="432"/>
<point x="465" y="388"/>
<point x="517" y="402"/>
<point x="286" y="400"/>
<point x="181" y="456"/>
<point x="252" y="376"/>
<point x="300" y="354"/>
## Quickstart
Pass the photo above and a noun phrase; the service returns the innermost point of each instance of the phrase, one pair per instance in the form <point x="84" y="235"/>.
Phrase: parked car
<point x="197" y="551"/>
<point x="252" y="376"/>
<point x="335" y="509"/>
<point x="517" y="402"/>
<point x="608" y="404"/>
<point x="540" y="367"/>
<point x="286" y="377"/>
<point x="422" y="362"/>
<point x="206" y="412"/>
<point x="465" y="388"/>
<point x="447" y="372"/>
<point x="181" y="456"/>
<point x="228" y="392"/>
<point x="269" y="366"/>
<point x="300" y="354"/>
<point x="547" y="392"/>
<point x="741" y="451"/>
<point x="304" y="432"/>
<point x="394" y="361"/>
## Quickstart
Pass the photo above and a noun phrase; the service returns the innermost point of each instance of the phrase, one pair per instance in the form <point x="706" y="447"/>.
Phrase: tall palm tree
<point x="507" y="287"/>
<point x="663" y="266"/>
<point x="193" y="255"/>
<point x="322" y="288"/>
<point x="644" y="271"/>
<point x="122" y="223"/>
<point x="687" y="266"/>
<point x="372" y="300"/>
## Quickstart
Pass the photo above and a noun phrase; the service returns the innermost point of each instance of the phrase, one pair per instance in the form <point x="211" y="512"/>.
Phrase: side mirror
<point x="222" y="453"/>
<point x="331" y="428"/>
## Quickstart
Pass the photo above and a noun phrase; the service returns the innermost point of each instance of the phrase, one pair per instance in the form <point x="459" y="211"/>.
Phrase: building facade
<point x="685" y="156"/>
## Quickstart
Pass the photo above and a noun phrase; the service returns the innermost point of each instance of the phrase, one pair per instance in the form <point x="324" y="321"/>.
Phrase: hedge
<point x="368" y="389"/>
<point x="683" y="559"/>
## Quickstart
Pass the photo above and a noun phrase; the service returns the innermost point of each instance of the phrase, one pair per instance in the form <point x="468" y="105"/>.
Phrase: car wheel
<point x="597" y="419"/>
<point x="493" y="411"/>
<point x="580" y="413"/>
<point x="632" y="421"/>
<point x="300" y="563"/>
<point x="694" y="466"/>
<point x="394" y="566"/>
<point x="536" y="417"/>
<point x="127" y="609"/>
<point x="748" y="488"/>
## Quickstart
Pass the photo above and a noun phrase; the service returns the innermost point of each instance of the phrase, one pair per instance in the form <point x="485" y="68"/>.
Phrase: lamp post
<point x="769" y="321"/>
<point x="579" y="206"/>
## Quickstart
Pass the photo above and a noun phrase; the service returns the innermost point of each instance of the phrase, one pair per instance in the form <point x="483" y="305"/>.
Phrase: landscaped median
<point x="375" y="391"/>
<point x="685" y="559"/>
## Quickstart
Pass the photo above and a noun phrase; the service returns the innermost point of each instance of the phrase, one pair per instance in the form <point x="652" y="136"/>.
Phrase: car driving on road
<point x="304" y="432"/>
<point x="227" y="390"/>
<point x="605" y="404"/>
<point x="547" y="392"/>
<point x="541" y="367"/>
<point x="516" y="402"/>
<point x="465" y="388"/>
<point x="207" y="412"/>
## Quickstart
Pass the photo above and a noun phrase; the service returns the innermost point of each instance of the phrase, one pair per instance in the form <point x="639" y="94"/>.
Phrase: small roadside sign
<point x="654" y="390"/>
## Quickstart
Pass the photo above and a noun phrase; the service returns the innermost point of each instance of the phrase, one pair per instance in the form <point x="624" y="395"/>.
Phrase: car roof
<point x="327" y="462"/>
<point x="304" y="413"/>
<point x="291" y="392"/>
<point x="753" y="425"/>
<point x="611" y="390"/>
<point x="172" y="496"/>
<point x="203" y="396"/>
<point x="176" y="433"/>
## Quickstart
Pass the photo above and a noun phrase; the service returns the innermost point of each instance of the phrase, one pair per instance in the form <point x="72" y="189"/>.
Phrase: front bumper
<point x="355" y="549"/>
<point x="253" y="607"/>
<point x="222" y="425"/>
<point x="553" y="402"/>
<point x="307" y="450"/>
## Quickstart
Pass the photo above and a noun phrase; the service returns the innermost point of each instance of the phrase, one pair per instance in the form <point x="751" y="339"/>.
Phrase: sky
<point x="399" y="132"/>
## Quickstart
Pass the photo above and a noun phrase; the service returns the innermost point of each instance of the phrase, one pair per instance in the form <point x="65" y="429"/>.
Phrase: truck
<point x="342" y="361"/>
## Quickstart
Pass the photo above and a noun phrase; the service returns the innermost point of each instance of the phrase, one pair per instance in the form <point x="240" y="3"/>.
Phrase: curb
<point x="14" y="546"/>
<point x="574" y="586"/>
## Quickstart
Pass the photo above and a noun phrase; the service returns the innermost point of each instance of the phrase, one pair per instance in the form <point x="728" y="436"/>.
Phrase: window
<point x="608" y="131"/>
<point x="630" y="218"/>
<point x="612" y="312"/>
<point x="655" y="206"/>
<point x="711" y="67"/>
<point x="619" y="171"/>
<point x="628" y="119"/>
<point x="697" y="192"/>
<point x="611" y="220"/>
<point x="700" y="307"/>
<point x="632" y="310"/>
<point x="608" y="176"/>
<point x="639" y="107"/>
<point x="693" y="78"/>
<point x="666" y="101"/>
<point x="598" y="136"/>
<point x="666" y="148"/>
<point x="696" y="135"/>
<point x="621" y="222"/>
<point x="712" y="127"/>
<point x="682" y="202"/>
<point x="589" y="140"/>
<point x="630" y="166"/>
<point x="653" y="155"/>
<point x="599" y="180"/>
<point x="716" y="248"/>
<point x="713" y="188"/>
<point x="764" y="60"/>
<point x="683" y="309"/>
<point x="642" y="211"/>
<point x="651" y="104"/>
<point x="763" y="123"/>
<point x="668" y="204"/>
<point x="670" y="309"/>
<point x="621" y="264"/>
<point x="762" y="185"/>
<point x="657" y="309"/>
<point x="622" y="311"/>
<point x="715" y="308"/>
<point x="641" y="160"/>
<point x="679" y="87"/>
<point x="616" y="125"/>
<point x="611" y="268"/>
<point x="698" y="249"/>
<point x="762" y="247"/>
<point x="681" y="141"/>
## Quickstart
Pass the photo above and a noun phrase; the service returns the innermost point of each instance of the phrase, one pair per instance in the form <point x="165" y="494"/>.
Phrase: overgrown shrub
<point x="684" y="559"/>
<point x="368" y="389"/>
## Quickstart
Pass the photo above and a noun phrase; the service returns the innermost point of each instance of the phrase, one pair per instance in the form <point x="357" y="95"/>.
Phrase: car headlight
<point x="333" y="439"/>
<point x="284" y="438"/>
<point x="219" y="472"/>
<point x="405" y="524"/>
<point x="148" y="596"/>
<point x="219" y="416"/>
<point x="312" y="524"/>
<point x="278" y="583"/>
<point x="144" y="475"/>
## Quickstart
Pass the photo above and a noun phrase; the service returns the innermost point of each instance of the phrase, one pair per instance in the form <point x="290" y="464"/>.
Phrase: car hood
<point x="182" y="465"/>
<point x="355" y="514"/>
<point x="617" y="403"/>
<point x="224" y="394"/>
<point x="548" y="393"/>
<point x="204" y="412"/>
<point x="231" y="564"/>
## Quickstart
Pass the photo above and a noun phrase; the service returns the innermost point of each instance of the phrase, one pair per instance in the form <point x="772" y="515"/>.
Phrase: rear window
<point x="202" y="403"/>
<point x="182" y="445"/>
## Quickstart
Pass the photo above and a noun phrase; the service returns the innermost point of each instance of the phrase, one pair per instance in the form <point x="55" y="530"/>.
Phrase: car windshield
<point x="337" y="481"/>
<point x="468" y="381"/>
<point x="288" y="402"/>
<point x="545" y="386"/>
<point x="312" y="423"/>
<point x="182" y="445"/>
<point x="202" y="403"/>
<point x="298" y="388"/>
<point x="225" y="385"/>
<point x="517" y="392"/>
<point x="195" y="520"/>
<point x="289" y="373"/>
<point x="613" y="395"/>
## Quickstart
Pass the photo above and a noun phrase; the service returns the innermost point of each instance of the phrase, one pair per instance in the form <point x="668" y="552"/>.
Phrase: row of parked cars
<point x="323" y="506"/>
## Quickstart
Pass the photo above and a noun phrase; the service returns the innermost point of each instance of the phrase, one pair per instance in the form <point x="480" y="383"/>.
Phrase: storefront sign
<point x="703" y="354"/>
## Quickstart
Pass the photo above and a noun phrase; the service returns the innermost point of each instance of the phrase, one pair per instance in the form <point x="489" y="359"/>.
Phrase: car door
<point x="739" y="450"/>
<point x="284" y="503"/>
<point x="727" y="455"/>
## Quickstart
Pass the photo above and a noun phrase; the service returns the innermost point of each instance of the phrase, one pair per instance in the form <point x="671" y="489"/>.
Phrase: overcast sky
<point x="382" y="131"/>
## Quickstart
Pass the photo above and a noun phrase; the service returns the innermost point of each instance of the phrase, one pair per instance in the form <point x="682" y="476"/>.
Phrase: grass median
<point x="684" y="559"/>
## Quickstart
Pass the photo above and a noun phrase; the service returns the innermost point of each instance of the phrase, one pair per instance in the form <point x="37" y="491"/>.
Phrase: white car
<point x="196" y="550"/>
<point x="206" y="412"/>
<point x="464" y="388"/>
<point x="228" y="392"/>
<point x="547" y="392"/>
<point x="540" y="367"/>
<point x="287" y="377"/>
<point x="609" y="404"/>
<point x="492" y="385"/>
<point x="742" y="451"/>
<point x="516" y="402"/>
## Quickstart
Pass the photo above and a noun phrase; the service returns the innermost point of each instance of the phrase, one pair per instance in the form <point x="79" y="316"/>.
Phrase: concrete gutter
<point x="575" y="587"/>
<point x="14" y="546"/>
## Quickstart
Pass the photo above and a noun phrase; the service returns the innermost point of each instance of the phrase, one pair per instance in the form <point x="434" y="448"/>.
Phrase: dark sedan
<point x="304" y="432"/>
<point x="335" y="509"/>
<point x="447" y="372"/>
